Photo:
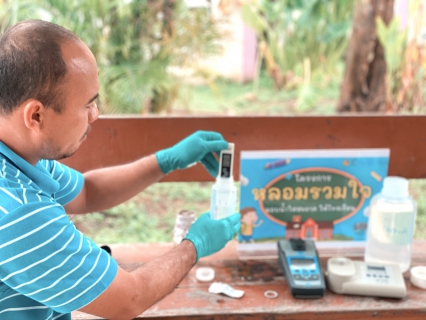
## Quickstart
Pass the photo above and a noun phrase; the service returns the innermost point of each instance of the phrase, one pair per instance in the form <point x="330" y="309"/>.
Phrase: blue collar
<point x="38" y="173"/>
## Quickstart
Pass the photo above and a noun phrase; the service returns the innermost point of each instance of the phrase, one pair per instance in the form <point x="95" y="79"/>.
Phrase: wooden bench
<point x="120" y="140"/>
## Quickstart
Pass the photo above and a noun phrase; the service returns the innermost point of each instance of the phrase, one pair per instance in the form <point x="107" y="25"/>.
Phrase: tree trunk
<point x="363" y="87"/>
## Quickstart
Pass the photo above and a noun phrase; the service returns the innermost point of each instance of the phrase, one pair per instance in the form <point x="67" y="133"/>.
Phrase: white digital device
<point x="224" y="193"/>
<point x="346" y="276"/>
<point x="226" y="162"/>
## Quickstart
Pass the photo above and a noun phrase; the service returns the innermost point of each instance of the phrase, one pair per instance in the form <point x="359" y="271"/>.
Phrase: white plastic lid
<point x="418" y="276"/>
<point x="395" y="187"/>
<point x="204" y="274"/>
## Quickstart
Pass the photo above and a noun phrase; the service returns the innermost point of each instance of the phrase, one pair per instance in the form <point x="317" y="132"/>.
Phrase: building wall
<point x="238" y="60"/>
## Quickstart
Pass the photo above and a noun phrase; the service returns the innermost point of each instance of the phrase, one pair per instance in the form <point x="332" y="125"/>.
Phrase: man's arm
<point x="132" y="293"/>
<point x="107" y="187"/>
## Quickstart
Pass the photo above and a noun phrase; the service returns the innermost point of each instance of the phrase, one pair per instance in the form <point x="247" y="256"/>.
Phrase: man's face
<point x="63" y="133"/>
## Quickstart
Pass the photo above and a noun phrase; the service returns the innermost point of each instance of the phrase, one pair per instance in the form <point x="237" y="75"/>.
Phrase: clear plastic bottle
<point x="223" y="199"/>
<point x="391" y="224"/>
<point x="224" y="193"/>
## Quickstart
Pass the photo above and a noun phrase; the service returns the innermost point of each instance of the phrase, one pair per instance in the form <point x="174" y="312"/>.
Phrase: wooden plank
<point x="121" y="140"/>
<point x="191" y="299"/>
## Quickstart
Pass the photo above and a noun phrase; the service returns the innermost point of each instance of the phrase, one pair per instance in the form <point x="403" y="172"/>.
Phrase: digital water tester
<point x="300" y="264"/>
<point x="224" y="193"/>
<point x="226" y="162"/>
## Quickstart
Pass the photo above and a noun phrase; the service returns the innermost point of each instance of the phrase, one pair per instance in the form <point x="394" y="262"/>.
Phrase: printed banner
<point x="309" y="194"/>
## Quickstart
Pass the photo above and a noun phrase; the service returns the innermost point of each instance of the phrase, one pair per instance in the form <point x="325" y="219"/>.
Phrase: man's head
<point x="31" y="64"/>
<point x="48" y="84"/>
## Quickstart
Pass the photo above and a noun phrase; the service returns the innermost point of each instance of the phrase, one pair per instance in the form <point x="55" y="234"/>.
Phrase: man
<point x="48" y="89"/>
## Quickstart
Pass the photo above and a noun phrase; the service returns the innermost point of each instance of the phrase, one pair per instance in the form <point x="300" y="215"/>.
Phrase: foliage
<point x="418" y="192"/>
<point x="302" y="42"/>
<point x="135" y="43"/>
<point x="405" y="62"/>
<point x="148" y="217"/>
<point x="239" y="99"/>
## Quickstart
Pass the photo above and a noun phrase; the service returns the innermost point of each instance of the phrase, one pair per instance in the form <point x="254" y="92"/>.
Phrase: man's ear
<point x="33" y="114"/>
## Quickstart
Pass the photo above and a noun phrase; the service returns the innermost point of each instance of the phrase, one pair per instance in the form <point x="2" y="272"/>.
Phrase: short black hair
<point x="32" y="65"/>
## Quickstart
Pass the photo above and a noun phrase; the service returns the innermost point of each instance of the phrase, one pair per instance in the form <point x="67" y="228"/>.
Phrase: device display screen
<point x="226" y="165"/>
<point x="303" y="263"/>
<point x="375" y="268"/>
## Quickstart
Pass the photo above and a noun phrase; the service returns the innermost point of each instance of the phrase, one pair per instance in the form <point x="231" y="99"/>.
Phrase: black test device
<point x="301" y="266"/>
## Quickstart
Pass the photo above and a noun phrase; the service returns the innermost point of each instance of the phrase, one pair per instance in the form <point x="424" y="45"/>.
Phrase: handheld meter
<point x="226" y="162"/>
<point x="224" y="193"/>
<point x="345" y="276"/>
<point x="301" y="267"/>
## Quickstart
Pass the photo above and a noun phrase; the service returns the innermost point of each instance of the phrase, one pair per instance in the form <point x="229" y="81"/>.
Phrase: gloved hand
<point x="199" y="146"/>
<point x="209" y="236"/>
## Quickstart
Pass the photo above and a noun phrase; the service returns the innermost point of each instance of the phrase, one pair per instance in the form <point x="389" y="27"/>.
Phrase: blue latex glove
<point x="209" y="236"/>
<point x="199" y="146"/>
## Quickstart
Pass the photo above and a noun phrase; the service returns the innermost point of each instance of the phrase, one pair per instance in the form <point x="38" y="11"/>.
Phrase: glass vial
<point x="184" y="220"/>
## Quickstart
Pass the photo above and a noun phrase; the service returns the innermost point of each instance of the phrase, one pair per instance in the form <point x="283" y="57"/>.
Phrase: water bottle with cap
<point x="391" y="224"/>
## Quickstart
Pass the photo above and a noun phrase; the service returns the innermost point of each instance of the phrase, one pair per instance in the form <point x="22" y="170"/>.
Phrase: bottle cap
<point x="418" y="276"/>
<point x="395" y="187"/>
<point x="204" y="274"/>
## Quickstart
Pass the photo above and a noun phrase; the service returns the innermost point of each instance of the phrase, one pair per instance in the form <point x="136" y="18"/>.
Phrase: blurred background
<point x="238" y="57"/>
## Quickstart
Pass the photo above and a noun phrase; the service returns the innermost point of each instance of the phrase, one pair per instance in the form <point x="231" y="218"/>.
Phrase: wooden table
<point x="191" y="299"/>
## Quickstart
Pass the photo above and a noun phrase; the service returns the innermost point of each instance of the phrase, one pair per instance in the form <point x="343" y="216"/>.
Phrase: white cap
<point x="395" y="187"/>
<point x="231" y="146"/>
<point x="418" y="276"/>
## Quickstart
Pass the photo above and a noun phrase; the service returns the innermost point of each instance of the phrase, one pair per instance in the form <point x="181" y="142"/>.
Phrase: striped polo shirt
<point x="47" y="267"/>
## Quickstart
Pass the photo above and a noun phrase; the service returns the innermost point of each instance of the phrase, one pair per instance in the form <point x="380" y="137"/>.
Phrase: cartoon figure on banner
<point x="249" y="218"/>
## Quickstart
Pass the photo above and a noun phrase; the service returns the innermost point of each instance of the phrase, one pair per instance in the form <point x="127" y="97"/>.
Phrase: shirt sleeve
<point x="70" y="181"/>
<point x="44" y="257"/>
